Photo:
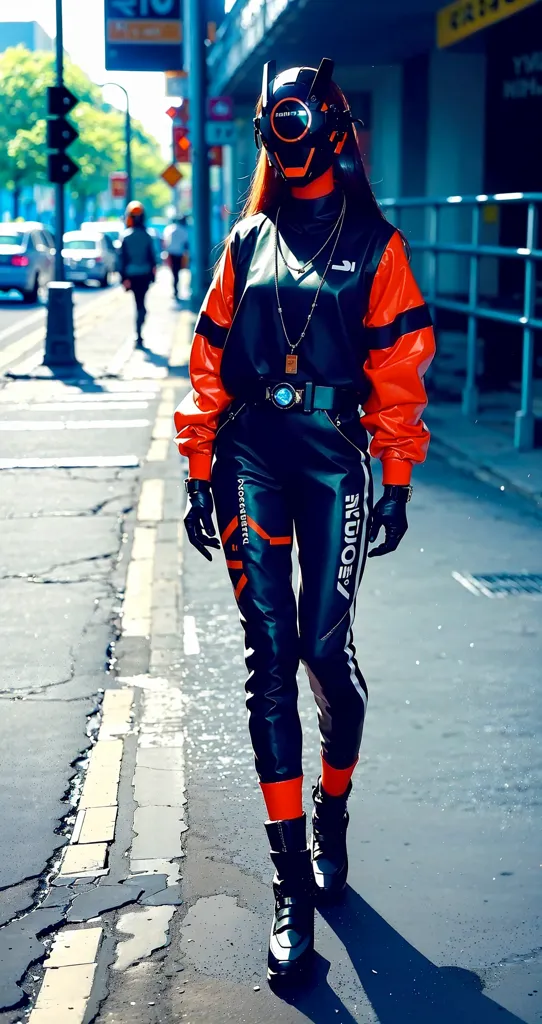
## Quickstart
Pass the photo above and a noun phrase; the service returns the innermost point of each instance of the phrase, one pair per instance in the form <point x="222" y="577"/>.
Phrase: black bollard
<point x="60" y="338"/>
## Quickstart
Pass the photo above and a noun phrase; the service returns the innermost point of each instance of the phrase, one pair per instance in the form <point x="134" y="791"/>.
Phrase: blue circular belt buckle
<point x="284" y="396"/>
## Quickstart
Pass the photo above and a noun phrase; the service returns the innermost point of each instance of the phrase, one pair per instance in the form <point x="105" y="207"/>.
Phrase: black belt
<point x="307" y="397"/>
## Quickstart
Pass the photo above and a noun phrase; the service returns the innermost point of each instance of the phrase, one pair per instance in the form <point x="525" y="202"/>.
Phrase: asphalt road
<point x="61" y="542"/>
<point x="19" y="321"/>
<point x="441" y="922"/>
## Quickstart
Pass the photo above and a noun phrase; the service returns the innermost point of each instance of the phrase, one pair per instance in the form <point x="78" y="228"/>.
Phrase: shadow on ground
<point x="399" y="982"/>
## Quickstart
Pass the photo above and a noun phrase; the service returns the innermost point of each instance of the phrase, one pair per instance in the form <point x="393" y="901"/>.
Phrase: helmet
<point x="135" y="213"/>
<point x="299" y="130"/>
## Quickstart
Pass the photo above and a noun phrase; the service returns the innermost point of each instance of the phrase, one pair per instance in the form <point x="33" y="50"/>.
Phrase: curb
<point x="487" y="474"/>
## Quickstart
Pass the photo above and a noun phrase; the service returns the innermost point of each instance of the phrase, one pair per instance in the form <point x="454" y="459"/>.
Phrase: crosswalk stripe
<point x="74" y="462"/>
<point x="47" y="425"/>
<point x="76" y="406"/>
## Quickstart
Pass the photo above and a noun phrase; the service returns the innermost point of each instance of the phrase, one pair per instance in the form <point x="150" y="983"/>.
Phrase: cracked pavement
<point x="63" y="537"/>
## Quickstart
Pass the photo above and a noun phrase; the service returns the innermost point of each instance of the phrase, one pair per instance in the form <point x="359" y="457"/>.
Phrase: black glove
<point x="198" y="519"/>
<point x="390" y="512"/>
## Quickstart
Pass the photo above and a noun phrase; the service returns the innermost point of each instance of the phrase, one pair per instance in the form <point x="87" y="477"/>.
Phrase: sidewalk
<point x="484" y="448"/>
<point x="135" y="917"/>
<point x="90" y="551"/>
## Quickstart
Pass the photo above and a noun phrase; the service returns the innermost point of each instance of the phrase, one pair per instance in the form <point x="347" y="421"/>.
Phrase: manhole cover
<point x="501" y="584"/>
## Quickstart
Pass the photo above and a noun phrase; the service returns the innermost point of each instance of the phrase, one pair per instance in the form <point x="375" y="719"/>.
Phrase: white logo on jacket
<point x="346" y="265"/>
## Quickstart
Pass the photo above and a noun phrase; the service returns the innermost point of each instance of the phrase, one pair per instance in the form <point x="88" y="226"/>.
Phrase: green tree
<point x="24" y="78"/>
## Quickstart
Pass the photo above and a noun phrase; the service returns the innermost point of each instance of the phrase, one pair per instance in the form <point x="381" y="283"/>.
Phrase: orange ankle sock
<point x="283" y="800"/>
<point x="335" y="780"/>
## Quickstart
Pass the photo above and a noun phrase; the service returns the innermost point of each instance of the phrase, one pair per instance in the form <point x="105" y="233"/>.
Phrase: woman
<point x="313" y="312"/>
<point x="138" y="262"/>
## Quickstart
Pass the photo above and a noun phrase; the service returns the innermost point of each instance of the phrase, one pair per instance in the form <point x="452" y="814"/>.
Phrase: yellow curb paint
<point x="151" y="501"/>
<point x="98" y="825"/>
<point x="55" y="1014"/>
<point x="116" y="714"/>
<point x="136" y="614"/>
<point x="103" y="773"/>
<point x="65" y="985"/>
<point x="164" y="429"/>
<point x="158" y="450"/>
<point x="74" y="946"/>
<point x="144" y="543"/>
<point x="78" y="858"/>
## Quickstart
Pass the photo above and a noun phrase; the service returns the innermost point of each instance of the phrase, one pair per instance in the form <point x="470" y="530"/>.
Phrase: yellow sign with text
<point x="464" y="17"/>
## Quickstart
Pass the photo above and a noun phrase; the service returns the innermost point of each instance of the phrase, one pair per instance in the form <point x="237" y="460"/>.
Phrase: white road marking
<point x="74" y="462"/>
<point x="46" y="425"/>
<point x="190" y="637"/>
<point x="473" y="586"/>
<point x="21" y="324"/>
<point x="75" y="406"/>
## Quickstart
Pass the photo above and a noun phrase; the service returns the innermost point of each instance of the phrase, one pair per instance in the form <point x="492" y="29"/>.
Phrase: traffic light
<point x="60" y="134"/>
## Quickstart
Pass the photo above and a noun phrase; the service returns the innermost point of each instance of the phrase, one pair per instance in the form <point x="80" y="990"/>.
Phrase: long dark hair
<point x="268" y="189"/>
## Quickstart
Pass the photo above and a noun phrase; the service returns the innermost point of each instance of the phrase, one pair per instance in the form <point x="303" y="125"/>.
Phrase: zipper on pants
<point x="231" y="417"/>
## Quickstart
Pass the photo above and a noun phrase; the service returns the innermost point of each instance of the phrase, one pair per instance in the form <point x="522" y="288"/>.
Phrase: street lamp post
<point x="128" y="138"/>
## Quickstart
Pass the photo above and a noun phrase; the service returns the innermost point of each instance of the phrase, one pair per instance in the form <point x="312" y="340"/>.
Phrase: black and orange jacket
<point x="371" y="330"/>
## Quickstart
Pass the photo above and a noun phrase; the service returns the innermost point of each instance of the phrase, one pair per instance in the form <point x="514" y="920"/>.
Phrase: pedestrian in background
<point x="176" y="246"/>
<point x="138" y="262"/>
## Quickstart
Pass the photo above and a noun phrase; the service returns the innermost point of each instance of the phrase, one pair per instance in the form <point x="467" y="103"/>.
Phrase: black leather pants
<point x="278" y="473"/>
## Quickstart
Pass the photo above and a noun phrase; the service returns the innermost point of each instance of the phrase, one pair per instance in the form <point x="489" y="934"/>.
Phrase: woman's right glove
<point x="198" y="519"/>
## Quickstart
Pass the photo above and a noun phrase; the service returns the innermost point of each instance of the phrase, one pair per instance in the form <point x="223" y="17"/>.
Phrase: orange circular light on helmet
<point x="291" y="120"/>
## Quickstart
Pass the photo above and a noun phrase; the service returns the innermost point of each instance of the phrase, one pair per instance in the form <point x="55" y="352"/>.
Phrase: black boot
<point x="291" y="944"/>
<point x="329" y="856"/>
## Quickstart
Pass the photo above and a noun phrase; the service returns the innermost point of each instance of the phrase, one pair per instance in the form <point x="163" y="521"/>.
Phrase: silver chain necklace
<point x="291" y="359"/>
<point x="302" y="268"/>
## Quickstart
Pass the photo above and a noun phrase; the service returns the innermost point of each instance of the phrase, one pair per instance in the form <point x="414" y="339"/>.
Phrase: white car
<point x="88" y="257"/>
<point x="27" y="258"/>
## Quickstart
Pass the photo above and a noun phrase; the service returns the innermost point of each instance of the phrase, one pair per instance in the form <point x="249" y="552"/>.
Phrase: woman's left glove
<point x="390" y="513"/>
<point x="198" y="520"/>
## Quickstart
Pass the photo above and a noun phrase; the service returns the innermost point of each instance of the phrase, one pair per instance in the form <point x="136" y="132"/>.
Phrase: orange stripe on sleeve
<point x="196" y="418"/>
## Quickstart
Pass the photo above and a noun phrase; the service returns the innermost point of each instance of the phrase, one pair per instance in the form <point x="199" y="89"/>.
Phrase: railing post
<point x="525" y="421"/>
<point x="469" y="404"/>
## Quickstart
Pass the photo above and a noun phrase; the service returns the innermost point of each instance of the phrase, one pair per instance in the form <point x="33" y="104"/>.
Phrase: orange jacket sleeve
<point x="401" y="346"/>
<point x="196" y="418"/>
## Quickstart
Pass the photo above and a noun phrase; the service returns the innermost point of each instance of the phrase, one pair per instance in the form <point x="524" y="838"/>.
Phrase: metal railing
<point x="524" y="427"/>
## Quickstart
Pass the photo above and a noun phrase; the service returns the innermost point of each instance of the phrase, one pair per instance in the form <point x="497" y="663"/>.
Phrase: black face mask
<point x="299" y="131"/>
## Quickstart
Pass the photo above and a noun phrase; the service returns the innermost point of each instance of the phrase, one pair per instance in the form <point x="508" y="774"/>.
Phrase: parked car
<point x="112" y="229"/>
<point x="88" y="257"/>
<point x="27" y="258"/>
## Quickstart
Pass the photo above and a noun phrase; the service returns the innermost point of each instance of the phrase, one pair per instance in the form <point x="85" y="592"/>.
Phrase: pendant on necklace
<point x="291" y="364"/>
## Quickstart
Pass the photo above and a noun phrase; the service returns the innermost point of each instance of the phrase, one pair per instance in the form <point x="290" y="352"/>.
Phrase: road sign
<point x="181" y="143"/>
<point x="143" y="35"/>
<point x="171" y="175"/>
<point x="179" y="115"/>
<point x="176" y="83"/>
<point x="220" y="108"/>
<point x="462" y="18"/>
<point x="60" y="134"/>
<point x="118" y="183"/>
<point x="220" y="133"/>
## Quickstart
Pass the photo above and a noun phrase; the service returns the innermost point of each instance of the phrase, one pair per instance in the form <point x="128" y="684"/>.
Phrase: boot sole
<point x="283" y="978"/>
<point x="328" y="897"/>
